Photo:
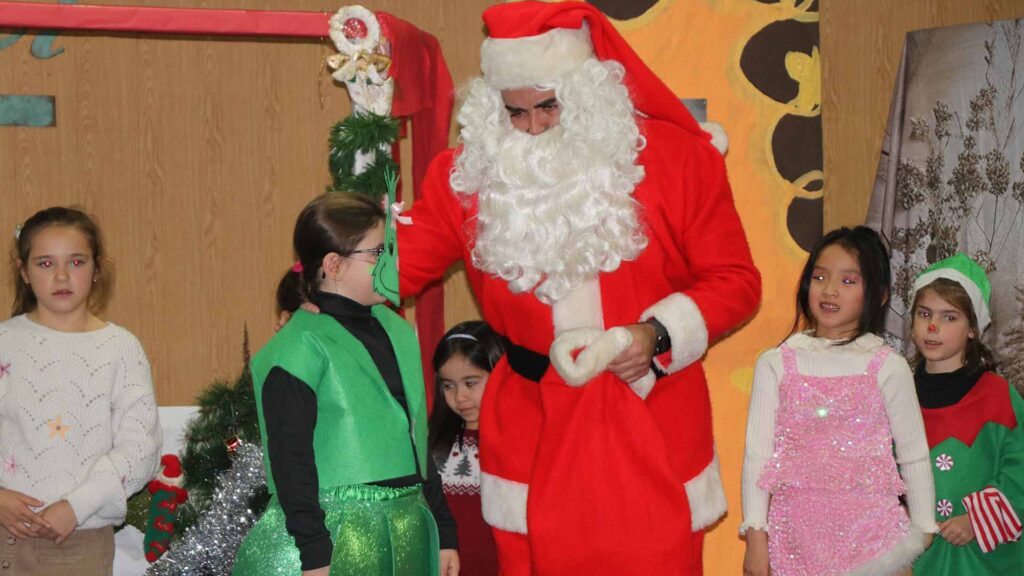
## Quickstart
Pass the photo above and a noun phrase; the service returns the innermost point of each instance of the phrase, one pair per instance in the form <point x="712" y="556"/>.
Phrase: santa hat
<point x="533" y="43"/>
<point x="969" y="275"/>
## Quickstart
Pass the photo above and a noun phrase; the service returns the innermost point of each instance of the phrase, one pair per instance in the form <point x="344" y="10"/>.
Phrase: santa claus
<point x="601" y="239"/>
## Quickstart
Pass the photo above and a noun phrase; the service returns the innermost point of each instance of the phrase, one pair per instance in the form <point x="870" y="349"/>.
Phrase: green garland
<point x="363" y="132"/>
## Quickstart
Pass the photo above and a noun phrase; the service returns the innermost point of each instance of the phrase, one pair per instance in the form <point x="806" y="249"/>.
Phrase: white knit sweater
<point x="78" y="420"/>
<point x="821" y="357"/>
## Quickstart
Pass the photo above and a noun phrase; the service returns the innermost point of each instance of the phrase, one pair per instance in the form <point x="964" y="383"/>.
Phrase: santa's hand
<point x="635" y="361"/>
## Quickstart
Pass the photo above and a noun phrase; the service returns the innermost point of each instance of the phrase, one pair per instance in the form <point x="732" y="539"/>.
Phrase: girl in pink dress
<point x="821" y="481"/>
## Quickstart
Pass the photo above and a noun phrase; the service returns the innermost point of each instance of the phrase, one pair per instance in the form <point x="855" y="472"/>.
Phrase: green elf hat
<point x="968" y="274"/>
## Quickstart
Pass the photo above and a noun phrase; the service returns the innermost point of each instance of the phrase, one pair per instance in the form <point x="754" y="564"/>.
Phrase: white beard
<point x="554" y="209"/>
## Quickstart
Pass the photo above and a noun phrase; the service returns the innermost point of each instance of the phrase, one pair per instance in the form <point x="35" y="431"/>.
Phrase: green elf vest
<point x="977" y="442"/>
<point x="362" y="434"/>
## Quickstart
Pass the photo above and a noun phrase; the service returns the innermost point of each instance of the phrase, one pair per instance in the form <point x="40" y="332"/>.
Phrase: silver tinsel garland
<point x="209" y="547"/>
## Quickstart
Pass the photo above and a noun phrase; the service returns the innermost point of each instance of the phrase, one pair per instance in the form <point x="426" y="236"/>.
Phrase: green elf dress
<point x="975" y="429"/>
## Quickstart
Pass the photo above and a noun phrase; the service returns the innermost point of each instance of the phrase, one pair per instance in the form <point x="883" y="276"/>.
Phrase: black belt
<point x="525" y="362"/>
<point x="532" y="365"/>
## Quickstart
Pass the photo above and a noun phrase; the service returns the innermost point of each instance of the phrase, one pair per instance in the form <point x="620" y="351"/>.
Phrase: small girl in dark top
<point x="342" y="416"/>
<point x="462" y="363"/>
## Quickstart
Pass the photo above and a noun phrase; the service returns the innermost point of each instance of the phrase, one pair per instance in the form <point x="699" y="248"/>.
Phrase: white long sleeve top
<point x="822" y="357"/>
<point x="78" y="419"/>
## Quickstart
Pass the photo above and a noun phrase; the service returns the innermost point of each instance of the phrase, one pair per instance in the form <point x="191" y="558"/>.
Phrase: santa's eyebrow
<point x="542" y="104"/>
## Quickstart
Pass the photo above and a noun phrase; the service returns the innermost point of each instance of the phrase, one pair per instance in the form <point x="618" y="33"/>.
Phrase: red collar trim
<point x="988" y="401"/>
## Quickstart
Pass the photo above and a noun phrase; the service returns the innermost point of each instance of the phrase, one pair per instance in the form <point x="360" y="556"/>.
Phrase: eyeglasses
<point x="375" y="252"/>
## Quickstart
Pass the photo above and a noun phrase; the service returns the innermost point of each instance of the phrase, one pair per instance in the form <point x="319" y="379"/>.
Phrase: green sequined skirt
<point x="376" y="531"/>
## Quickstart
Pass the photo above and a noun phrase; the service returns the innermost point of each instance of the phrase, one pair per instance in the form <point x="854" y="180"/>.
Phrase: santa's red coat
<point x="593" y="479"/>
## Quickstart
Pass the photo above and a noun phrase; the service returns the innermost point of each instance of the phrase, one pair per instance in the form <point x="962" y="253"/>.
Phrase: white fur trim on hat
<point x="504" y="502"/>
<point x="980" y="307"/>
<point x="686" y="328"/>
<point x="719" y="139"/>
<point x="534" y="60"/>
<point x="706" y="496"/>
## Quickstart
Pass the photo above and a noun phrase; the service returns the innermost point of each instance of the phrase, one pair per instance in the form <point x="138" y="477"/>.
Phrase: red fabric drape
<point x="424" y="93"/>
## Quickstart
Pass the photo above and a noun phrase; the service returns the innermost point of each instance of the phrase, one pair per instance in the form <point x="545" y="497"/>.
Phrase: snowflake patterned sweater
<point x="78" y="419"/>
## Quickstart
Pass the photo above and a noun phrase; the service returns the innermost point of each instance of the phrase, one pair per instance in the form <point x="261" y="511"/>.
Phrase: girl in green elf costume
<point x="974" y="421"/>
<point x="342" y="415"/>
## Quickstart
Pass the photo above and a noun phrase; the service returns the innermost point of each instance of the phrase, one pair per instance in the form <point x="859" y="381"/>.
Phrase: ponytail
<point x="333" y="222"/>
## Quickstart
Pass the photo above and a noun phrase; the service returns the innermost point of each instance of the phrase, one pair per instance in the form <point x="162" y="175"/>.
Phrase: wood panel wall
<point x="195" y="154"/>
<point x="861" y="44"/>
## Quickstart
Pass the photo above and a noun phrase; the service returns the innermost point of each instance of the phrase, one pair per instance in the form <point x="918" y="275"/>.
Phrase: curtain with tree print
<point x="951" y="176"/>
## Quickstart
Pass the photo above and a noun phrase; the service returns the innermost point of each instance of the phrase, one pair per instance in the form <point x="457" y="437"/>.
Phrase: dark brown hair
<point x="333" y="222"/>
<point x="24" y="299"/>
<point x="483" y="348"/>
<point x="976" y="354"/>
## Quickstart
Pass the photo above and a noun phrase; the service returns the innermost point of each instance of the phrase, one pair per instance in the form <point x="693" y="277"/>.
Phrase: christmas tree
<point x="227" y="415"/>
<point x="463" y="469"/>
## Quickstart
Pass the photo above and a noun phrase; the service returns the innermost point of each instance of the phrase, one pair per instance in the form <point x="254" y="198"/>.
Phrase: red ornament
<point x="232" y="443"/>
<point x="354" y="29"/>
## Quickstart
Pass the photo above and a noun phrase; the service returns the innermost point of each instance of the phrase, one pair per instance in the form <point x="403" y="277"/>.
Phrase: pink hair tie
<point x="297" y="267"/>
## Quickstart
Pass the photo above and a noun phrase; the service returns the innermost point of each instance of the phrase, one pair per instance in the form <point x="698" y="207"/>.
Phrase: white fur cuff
<point x="686" y="327"/>
<point x="706" y="496"/>
<point x="504" y="502"/>
<point x="644" y="385"/>
<point x="599" y="349"/>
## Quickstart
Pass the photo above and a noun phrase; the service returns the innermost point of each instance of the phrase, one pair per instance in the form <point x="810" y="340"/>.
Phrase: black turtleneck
<point x="944" y="389"/>
<point x="290" y="424"/>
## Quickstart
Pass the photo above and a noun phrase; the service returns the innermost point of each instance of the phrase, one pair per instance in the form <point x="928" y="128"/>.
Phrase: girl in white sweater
<point x="78" y="420"/>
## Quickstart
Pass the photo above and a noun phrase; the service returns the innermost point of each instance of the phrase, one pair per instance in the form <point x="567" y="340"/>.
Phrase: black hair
<point x="333" y="222"/>
<point x="866" y="246"/>
<point x="481" y="346"/>
<point x="65" y="217"/>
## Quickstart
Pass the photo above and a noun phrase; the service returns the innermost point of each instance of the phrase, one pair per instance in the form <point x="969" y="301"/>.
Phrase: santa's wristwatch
<point x="662" y="342"/>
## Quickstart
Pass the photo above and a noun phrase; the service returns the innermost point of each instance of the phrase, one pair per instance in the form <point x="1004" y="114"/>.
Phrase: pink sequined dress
<point x="832" y="476"/>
